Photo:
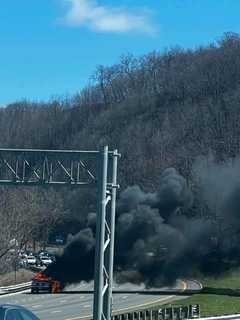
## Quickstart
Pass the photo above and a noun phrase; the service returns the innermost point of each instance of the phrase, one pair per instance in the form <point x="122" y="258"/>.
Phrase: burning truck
<point x="43" y="283"/>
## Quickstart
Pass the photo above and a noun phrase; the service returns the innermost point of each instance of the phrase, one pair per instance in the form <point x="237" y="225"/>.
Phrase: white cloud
<point x="107" y="19"/>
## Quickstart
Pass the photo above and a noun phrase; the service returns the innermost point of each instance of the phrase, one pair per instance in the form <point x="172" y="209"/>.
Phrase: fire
<point x="41" y="277"/>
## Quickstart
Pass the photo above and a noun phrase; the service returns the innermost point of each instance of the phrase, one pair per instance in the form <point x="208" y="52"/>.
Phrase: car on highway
<point x="45" y="260"/>
<point x="43" y="283"/>
<point x="15" y="312"/>
<point x="31" y="260"/>
<point x="42" y="253"/>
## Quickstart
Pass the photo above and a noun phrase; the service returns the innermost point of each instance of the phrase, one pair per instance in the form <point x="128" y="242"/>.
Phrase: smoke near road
<point x="77" y="261"/>
<point x="158" y="239"/>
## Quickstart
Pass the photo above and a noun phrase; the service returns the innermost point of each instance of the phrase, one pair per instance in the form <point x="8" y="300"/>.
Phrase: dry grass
<point x="22" y="275"/>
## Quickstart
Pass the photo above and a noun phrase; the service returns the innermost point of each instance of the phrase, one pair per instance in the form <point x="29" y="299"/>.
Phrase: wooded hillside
<point x="160" y="110"/>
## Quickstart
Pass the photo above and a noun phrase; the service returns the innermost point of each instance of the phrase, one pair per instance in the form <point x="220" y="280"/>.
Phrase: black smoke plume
<point x="77" y="261"/>
<point x="157" y="240"/>
<point x="173" y="193"/>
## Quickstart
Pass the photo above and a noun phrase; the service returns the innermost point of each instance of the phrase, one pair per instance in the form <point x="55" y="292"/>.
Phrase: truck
<point x="43" y="283"/>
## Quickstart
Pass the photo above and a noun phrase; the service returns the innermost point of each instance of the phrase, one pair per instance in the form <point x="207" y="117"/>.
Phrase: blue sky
<point x="50" y="48"/>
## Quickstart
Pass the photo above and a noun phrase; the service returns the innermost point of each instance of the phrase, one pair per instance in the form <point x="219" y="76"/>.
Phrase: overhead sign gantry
<point x="32" y="167"/>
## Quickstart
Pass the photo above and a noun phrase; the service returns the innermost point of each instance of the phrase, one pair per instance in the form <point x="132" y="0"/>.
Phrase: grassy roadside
<point x="221" y="302"/>
<point x="11" y="278"/>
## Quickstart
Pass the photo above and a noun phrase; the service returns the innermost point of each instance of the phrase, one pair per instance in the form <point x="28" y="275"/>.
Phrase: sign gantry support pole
<point x="107" y="302"/>
<point x="102" y="307"/>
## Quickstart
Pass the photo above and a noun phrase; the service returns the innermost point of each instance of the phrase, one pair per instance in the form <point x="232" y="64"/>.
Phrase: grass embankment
<point x="12" y="278"/>
<point x="220" y="296"/>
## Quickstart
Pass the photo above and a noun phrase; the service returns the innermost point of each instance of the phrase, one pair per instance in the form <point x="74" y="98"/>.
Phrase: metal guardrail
<point x="15" y="288"/>
<point x="226" y="317"/>
<point x="170" y="313"/>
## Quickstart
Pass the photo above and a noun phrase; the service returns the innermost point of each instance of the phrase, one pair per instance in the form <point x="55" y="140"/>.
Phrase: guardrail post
<point x="179" y="313"/>
<point x="155" y="314"/>
<point x="144" y="315"/>
<point x="150" y="315"/>
<point x="190" y="312"/>
<point x="160" y="314"/>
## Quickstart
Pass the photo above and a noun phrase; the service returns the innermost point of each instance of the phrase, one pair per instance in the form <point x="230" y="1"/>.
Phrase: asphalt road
<point x="74" y="306"/>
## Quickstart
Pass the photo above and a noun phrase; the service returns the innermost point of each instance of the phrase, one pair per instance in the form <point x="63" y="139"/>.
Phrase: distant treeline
<point x="160" y="110"/>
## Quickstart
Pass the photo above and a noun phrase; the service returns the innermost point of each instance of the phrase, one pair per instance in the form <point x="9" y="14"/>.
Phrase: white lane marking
<point x="154" y="302"/>
<point x="82" y="297"/>
<point x="36" y="306"/>
<point x="56" y="311"/>
<point x="86" y="306"/>
<point x="124" y="297"/>
<point x="62" y="301"/>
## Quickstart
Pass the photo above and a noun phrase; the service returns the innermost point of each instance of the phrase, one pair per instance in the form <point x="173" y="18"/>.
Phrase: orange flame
<point x="56" y="285"/>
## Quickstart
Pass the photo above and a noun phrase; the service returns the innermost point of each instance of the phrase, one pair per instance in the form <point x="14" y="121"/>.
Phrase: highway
<point x="75" y="306"/>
